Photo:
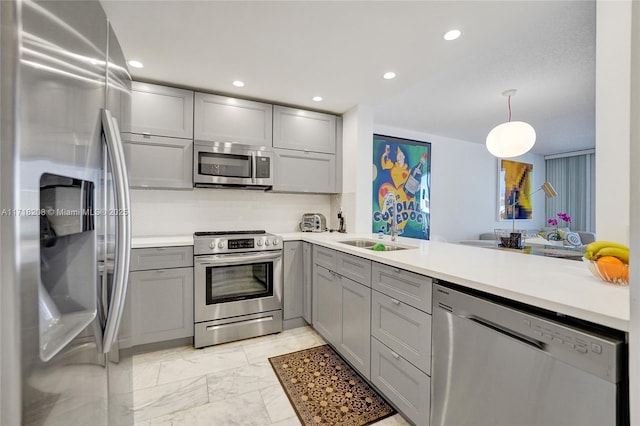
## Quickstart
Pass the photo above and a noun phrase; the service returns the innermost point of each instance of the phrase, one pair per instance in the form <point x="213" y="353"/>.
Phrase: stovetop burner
<point x="218" y="233"/>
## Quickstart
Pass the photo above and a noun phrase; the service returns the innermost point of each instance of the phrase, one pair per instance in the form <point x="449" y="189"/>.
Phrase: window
<point x="573" y="177"/>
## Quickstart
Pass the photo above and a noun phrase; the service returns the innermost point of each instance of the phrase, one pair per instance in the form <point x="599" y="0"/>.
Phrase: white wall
<point x="634" y="335"/>
<point x="613" y="88"/>
<point x="357" y="150"/>
<point x="163" y="212"/>
<point x="464" y="186"/>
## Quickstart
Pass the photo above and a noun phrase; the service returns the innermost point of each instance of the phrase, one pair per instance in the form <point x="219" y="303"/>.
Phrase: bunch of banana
<point x="607" y="248"/>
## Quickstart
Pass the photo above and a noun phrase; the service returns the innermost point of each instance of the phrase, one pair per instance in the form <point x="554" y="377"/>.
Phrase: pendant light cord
<point x="509" y="104"/>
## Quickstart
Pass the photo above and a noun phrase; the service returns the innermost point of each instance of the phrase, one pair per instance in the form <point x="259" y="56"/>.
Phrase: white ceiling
<point x="288" y="52"/>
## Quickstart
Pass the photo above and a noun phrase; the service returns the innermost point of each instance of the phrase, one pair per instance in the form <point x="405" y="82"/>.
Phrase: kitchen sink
<point x="368" y="244"/>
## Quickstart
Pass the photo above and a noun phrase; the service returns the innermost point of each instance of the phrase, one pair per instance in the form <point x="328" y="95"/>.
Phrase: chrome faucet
<point x="390" y="203"/>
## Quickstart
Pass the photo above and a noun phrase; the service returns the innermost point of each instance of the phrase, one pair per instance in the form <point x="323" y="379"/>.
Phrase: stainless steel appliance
<point x="493" y="364"/>
<point x="237" y="285"/>
<point x="313" y="222"/>
<point x="224" y="164"/>
<point x="65" y="227"/>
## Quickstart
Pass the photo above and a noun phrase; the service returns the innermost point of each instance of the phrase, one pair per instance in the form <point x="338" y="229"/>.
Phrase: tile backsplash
<point x="165" y="212"/>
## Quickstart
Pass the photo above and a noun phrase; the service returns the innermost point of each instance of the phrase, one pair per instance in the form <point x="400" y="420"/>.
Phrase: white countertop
<point x="559" y="285"/>
<point x="162" y="241"/>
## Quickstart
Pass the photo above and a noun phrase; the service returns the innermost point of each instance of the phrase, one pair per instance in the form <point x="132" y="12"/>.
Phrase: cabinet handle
<point x="160" y="271"/>
<point x="396" y="270"/>
<point x="395" y="355"/>
<point x="395" y="301"/>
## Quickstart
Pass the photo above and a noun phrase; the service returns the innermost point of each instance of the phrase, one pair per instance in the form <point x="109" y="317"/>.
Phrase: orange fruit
<point x="612" y="268"/>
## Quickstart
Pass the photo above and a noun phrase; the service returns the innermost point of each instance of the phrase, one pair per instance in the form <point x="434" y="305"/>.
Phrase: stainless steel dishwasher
<point x="494" y="364"/>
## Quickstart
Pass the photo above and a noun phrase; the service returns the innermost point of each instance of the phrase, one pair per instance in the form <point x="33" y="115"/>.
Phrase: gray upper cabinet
<point x="223" y="119"/>
<point x="300" y="171"/>
<point x="158" y="162"/>
<point x="161" y="111"/>
<point x="304" y="130"/>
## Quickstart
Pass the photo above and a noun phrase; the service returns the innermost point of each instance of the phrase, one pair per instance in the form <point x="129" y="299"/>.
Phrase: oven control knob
<point x="275" y="241"/>
<point x="259" y="243"/>
<point x="220" y="244"/>
<point x="266" y="242"/>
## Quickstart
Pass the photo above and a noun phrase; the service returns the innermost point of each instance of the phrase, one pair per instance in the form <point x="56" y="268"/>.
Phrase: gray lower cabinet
<point x="293" y="271"/>
<point x="223" y="119"/>
<point x="159" y="304"/>
<point x="327" y="309"/>
<point x="303" y="130"/>
<point x="156" y="162"/>
<point x="162" y="304"/>
<point x="341" y="309"/>
<point x="161" y="111"/>
<point x="307" y="254"/>
<point x="303" y="171"/>
<point x="355" y="304"/>
<point x="401" y="382"/>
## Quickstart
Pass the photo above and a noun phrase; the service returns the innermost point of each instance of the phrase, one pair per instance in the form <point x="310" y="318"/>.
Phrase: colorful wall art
<point x="401" y="183"/>
<point x="514" y="192"/>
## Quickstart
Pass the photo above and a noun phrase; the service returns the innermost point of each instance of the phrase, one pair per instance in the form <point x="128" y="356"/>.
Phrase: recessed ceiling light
<point x="317" y="98"/>
<point x="136" y="64"/>
<point x="389" y="75"/>
<point x="238" y="83"/>
<point x="452" y="35"/>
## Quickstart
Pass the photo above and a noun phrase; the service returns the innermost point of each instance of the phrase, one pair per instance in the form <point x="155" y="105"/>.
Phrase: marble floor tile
<point x="201" y="364"/>
<point x="277" y="403"/>
<point x="163" y="355"/>
<point x="230" y="383"/>
<point x="164" y="399"/>
<point x="261" y="351"/>
<point x="243" y="410"/>
<point x="290" y="421"/>
<point x="395" y="420"/>
<point x="145" y="375"/>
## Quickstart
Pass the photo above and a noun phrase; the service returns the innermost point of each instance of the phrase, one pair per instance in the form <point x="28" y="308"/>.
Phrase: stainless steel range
<point x="237" y="285"/>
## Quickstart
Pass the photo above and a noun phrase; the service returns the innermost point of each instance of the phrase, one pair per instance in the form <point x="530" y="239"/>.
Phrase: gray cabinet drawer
<point x="304" y="130"/>
<point x="158" y="162"/>
<point x="401" y="382"/>
<point x="325" y="257"/>
<point x="160" y="110"/>
<point x="354" y="267"/>
<point x="161" y="258"/>
<point x="222" y="119"/>
<point x="407" y="287"/>
<point x="404" y="329"/>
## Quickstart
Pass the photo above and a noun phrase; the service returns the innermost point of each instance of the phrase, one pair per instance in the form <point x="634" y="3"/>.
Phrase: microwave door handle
<point x="123" y="231"/>
<point x="235" y="259"/>
<point x="254" y="167"/>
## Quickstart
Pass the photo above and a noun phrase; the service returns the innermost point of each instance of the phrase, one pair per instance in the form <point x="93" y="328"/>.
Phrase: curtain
<point x="573" y="177"/>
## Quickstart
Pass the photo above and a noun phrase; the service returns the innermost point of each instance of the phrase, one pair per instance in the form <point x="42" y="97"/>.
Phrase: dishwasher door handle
<point x="505" y="331"/>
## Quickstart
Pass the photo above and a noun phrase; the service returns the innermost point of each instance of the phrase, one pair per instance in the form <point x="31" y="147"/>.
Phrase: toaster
<point x="313" y="222"/>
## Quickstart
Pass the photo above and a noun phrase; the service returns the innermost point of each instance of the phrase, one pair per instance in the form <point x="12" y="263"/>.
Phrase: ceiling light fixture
<point x="512" y="138"/>
<point x="317" y="98"/>
<point x="452" y="35"/>
<point x="389" y="75"/>
<point x="238" y="83"/>
<point x="136" y="64"/>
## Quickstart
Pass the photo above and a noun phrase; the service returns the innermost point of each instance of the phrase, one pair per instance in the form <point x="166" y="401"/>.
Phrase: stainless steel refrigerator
<point x="64" y="224"/>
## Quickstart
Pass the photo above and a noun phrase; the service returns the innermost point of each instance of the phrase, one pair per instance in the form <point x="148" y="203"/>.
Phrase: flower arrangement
<point x="555" y="236"/>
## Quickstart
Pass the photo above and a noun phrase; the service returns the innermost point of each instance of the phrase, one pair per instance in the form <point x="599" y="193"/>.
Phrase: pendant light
<point x="512" y="138"/>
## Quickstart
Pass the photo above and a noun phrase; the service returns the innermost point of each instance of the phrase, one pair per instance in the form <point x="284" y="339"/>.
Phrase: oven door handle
<point x="235" y="259"/>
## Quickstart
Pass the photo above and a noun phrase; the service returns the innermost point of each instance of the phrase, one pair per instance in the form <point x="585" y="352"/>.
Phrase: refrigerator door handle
<point x="123" y="236"/>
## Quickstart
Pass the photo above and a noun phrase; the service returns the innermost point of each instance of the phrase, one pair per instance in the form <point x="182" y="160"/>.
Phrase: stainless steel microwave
<point x="225" y="164"/>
